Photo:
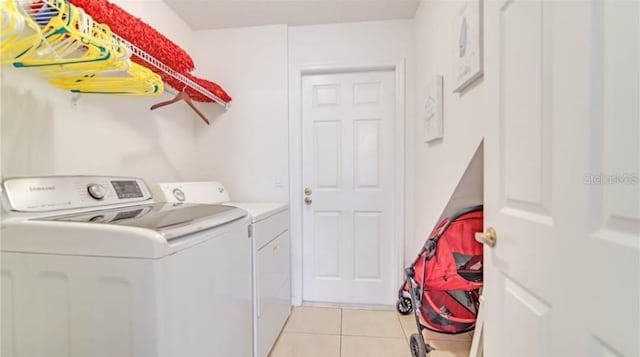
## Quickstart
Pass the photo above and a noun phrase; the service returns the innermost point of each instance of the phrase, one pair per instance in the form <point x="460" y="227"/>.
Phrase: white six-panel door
<point x="348" y="146"/>
<point x="562" y="188"/>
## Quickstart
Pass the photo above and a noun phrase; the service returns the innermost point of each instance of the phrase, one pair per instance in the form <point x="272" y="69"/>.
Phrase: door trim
<point x="295" y="165"/>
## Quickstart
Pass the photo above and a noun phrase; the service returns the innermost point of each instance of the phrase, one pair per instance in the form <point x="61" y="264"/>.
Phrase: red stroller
<point x="442" y="285"/>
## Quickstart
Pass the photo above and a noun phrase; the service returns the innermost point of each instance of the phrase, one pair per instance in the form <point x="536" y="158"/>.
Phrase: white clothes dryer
<point x="92" y="266"/>
<point x="271" y="254"/>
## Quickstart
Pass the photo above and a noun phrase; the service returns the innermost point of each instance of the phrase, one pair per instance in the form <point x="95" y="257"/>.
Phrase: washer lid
<point x="170" y="220"/>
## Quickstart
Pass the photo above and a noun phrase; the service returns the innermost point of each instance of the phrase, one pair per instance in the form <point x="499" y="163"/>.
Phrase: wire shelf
<point x="135" y="51"/>
<point x="167" y="70"/>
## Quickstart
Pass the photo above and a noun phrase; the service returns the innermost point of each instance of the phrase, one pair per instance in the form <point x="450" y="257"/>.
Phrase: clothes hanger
<point x="64" y="42"/>
<point x="182" y="95"/>
<point x="19" y="32"/>
<point x="136" y="81"/>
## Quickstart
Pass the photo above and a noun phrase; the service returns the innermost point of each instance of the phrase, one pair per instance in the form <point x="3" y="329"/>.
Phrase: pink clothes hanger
<point x="184" y="97"/>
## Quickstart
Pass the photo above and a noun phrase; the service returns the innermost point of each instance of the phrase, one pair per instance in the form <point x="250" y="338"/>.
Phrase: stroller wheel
<point x="404" y="306"/>
<point x="418" y="347"/>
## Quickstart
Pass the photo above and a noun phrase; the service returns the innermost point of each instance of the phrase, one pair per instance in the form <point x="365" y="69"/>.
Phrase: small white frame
<point x="433" y="110"/>
<point x="467" y="45"/>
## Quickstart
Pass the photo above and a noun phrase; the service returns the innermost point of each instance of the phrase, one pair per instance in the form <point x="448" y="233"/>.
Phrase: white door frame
<point x="295" y="165"/>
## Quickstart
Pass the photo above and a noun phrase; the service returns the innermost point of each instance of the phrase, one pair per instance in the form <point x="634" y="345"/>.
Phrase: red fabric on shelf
<point x="154" y="43"/>
<point x="208" y="85"/>
<point x="137" y="32"/>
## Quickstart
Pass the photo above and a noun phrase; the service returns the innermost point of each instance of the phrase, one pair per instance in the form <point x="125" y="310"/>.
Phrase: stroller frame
<point x="405" y="305"/>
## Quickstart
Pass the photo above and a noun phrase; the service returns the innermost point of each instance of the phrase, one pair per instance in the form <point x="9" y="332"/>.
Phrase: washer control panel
<point x="37" y="194"/>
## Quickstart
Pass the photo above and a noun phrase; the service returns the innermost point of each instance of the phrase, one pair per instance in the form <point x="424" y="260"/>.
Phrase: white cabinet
<point x="272" y="280"/>
<point x="273" y="292"/>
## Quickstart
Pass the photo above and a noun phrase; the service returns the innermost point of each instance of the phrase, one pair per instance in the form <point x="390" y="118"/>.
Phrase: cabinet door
<point x="274" y="292"/>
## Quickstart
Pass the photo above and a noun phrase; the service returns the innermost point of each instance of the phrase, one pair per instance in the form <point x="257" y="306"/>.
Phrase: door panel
<point x="326" y="95"/>
<point x="522" y="103"/>
<point x="533" y="318"/>
<point x="524" y="125"/>
<point x="366" y="93"/>
<point x="327" y="142"/>
<point x="326" y="236"/>
<point x="348" y="146"/>
<point x="367" y="228"/>
<point x="366" y="138"/>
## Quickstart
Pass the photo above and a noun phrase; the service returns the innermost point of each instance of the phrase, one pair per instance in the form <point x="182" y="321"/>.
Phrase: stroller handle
<point x="464" y="211"/>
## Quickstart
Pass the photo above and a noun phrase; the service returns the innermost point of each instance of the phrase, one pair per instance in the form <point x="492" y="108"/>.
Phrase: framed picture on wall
<point x="467" y="49"/>
<point x="433" y="110"/>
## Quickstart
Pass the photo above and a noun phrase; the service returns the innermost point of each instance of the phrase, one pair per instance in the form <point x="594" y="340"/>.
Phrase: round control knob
<point x="96" y="191"/>
<point x="179" y="195"/>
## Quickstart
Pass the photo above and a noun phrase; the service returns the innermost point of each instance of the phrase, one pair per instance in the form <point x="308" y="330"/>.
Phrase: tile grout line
<point x="404" y="331"/>
<point x="376" y="336"/>
<point x="401" y="326"/>
<point x="310" y="333"/>
<point x="341" y="311"/>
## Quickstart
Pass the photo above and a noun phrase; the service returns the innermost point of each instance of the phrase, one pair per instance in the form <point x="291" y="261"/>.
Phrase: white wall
<point x="246" y="148"/>
<point x="441" y="165"/>
<point x="342" y="45"/>
<point x="43" y="133"/>
<point x="470" y="189"/>
<point x="351" y="44"/>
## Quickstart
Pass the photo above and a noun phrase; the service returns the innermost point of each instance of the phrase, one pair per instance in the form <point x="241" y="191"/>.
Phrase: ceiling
<point x="213" y="14"/>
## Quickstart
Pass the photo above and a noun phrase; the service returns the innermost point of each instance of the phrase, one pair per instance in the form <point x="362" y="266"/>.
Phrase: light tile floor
<point x="334" y="332"/>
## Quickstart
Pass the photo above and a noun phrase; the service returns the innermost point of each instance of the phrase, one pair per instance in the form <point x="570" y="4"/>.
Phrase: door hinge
<point x="250" y="230"/>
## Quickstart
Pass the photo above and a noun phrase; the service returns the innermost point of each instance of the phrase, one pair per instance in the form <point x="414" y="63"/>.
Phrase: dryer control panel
<point x="207" y="192"/>
<point x="51" y="193"/>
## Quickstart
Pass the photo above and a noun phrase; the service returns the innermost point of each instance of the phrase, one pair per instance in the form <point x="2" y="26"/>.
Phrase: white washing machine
<point x="271" y="254"/>
<point x="92" y="266"/>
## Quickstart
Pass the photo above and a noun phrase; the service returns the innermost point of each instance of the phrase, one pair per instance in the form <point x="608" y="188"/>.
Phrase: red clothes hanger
<point x="187" y="99"/>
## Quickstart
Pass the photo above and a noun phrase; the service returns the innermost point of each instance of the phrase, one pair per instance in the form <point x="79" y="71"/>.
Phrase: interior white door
<point x="348" y="146"/>
<point x="562" y="183"/>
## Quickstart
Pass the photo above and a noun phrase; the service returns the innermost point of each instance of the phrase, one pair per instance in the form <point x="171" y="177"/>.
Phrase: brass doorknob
<point x="308" y="200"/>
<point x="308" y="191"/>
<point x="489" y="237"/>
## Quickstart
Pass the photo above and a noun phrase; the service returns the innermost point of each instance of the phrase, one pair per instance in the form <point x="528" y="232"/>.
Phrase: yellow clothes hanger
<point x="65" y="43"/>
<point x="11" y="23"/>
<point x="118" y="61"/>
<point x="75" y="53"/>
<point x="19" y="31"/>
<point x="137" y="80"/>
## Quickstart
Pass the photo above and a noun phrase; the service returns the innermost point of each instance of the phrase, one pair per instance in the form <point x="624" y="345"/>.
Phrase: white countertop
<point x="260" y="210"/>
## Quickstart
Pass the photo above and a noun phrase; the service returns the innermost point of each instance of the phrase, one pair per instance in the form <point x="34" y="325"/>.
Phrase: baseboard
<point x="348" y="306"/>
